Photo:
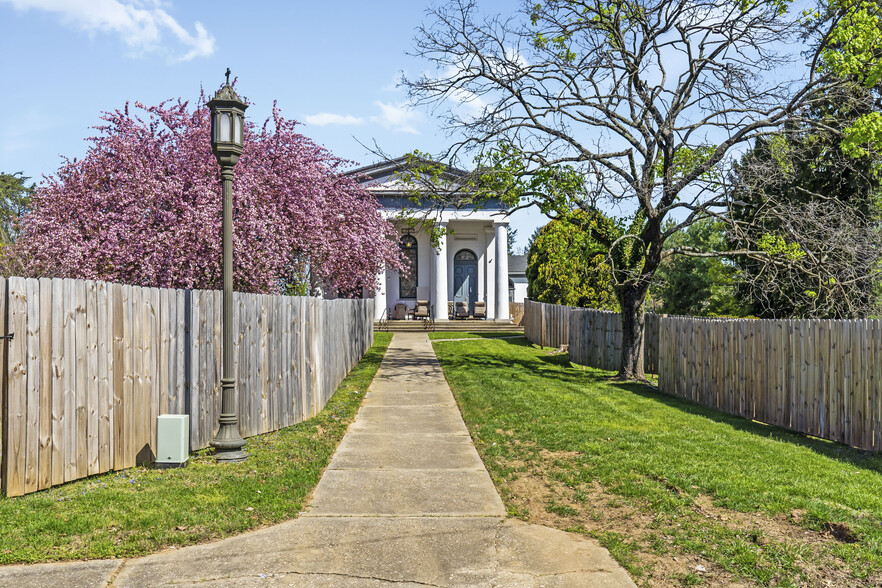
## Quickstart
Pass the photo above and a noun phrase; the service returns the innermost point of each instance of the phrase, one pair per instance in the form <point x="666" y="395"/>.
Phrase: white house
<point x="517" y="278"/>
<point x="470" y="263"/>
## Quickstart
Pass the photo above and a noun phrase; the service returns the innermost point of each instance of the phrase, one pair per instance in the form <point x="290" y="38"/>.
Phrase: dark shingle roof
<point x="517" y="264"/>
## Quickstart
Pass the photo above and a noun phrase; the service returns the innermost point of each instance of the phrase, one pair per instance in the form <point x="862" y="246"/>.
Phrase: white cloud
<point x="395" y="83"/>
<point x="470" y="102"/>
<point x="512" y="63"/>
<point x="397" y="117"/>
<point x="515" y="56"/>
<point x="473" y="103"/>
<point x="327" y="118"/>
<point x="139" y="24"/>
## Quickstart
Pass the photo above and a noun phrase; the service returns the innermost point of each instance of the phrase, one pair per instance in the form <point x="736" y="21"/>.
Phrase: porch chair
<point x="422" y="310"/>
<point x="480" y="310"/>
<point x="462" y="310"/>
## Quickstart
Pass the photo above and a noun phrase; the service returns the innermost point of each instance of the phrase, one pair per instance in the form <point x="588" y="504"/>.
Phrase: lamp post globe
<point x="227" y="125"/>
<point x="227" y="133"/>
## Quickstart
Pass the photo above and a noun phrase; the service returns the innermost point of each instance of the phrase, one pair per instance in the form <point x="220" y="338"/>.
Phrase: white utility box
<point x="172" y="440"/>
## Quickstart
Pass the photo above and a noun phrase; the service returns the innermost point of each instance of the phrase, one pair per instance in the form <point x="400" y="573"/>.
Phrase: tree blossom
<point x="144" y="207"/>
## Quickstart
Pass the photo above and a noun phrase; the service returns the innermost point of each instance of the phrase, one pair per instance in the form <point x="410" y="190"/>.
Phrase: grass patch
<point x="655" y="478"/>
<point x="140" y="510"/>
<point x="441" y="335"/>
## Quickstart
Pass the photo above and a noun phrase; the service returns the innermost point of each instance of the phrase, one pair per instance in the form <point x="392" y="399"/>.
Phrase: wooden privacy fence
<point x="92" y="364"/>
<point x="820" y="377"/>
<point x="545" y="324"/>
<point x="594" y="337"/>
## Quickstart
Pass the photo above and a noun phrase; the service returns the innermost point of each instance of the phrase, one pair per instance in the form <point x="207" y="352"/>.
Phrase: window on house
<point x="407" y="280"/>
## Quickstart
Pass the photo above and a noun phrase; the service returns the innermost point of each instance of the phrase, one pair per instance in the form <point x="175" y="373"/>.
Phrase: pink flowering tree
<point x="144" y="207"/>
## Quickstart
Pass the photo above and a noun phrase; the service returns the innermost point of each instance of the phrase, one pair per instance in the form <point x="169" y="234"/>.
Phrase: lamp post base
<point x="228" y="449"/>
<point x="229" y="455"/>
<point x="228" y="443"/>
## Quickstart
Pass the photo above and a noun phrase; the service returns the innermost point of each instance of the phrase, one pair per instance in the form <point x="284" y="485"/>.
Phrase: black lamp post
<point x="227" y="121"/>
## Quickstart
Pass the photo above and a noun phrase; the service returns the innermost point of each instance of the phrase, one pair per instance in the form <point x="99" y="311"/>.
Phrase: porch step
<point x="461" y="326"/>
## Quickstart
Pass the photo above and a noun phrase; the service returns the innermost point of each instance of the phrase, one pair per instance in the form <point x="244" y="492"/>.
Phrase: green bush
<point x="567" y="262"/>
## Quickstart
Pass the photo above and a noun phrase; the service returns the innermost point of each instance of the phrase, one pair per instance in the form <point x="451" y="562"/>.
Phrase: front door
<point x="465" y="278"/>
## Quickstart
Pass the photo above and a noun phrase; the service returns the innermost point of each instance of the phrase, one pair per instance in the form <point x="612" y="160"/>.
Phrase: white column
<point x="502" y="313"/>
<point x="440" y="300"/>
<point x="490" y="256"/>
<point x="483" y="255"/>
<point x="380" y="295"/>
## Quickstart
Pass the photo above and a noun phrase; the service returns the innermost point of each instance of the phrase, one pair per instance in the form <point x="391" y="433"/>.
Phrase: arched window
<point x="407" y="279"/>
<point x="465" y="255"/>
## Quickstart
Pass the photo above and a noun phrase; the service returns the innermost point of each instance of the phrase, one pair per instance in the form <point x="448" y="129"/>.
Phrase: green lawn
<point x="440" y="335"/>
<point x="654" y="478"/>
<point x="137" y="511"/>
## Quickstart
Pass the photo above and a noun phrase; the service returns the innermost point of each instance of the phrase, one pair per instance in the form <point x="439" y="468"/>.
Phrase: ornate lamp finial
<point x="227" y="124"/>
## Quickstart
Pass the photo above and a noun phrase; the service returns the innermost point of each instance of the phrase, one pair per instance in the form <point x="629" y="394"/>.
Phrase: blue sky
<point x="332" y="65"/>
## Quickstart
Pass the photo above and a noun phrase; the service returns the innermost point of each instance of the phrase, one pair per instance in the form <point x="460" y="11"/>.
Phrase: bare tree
<point x="833" y="272"/>
<point x="814" y="211"/>
<point x="648" y="100"/>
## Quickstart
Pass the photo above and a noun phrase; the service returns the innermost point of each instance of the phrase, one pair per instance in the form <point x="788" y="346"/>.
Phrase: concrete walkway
<point x="405" y="500"/>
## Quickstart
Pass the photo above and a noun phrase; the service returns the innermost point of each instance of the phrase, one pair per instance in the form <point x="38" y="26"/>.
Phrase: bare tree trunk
<point x="631" y="302"/>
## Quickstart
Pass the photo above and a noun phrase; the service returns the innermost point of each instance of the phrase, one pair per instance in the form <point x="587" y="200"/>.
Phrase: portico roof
<point x="384" y="180"/>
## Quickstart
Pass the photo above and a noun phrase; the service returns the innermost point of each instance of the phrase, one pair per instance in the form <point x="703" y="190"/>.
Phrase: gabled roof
<point x="394" y="192"/>
<point x="389" y="167"/>
<point x="381" y="176"/>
